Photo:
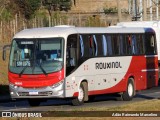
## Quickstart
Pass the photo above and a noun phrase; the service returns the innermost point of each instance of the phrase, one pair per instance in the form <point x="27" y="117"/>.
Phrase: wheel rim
<point x="130" y="90"/>
<point x="81" y="94"/>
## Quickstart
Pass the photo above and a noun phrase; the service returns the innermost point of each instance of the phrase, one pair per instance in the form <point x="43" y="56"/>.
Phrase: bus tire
<point x="81" y="96"/>
<point x="34" y="102"/>
<point x="130" y="92"/>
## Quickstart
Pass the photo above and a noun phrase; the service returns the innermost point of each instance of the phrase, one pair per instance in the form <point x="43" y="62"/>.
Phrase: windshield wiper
<point x="35" y="60"/>
<point x="20" y="74"/>
<point x="42" y="69"/>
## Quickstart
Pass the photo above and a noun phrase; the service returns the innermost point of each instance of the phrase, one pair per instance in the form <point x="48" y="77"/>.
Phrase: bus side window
<point x="99" y="45"/>
<point x="129" y="45"/>
<point x="121" y="39"/>
<point x="140" y="44"/>
<point x="125" y="44"/>
<point x="86" y="43"/>
<point x="104" y="45"/>
<point x="95" y="45"/>
<point x="109" y="45"/>
<point x="91" y="46"/>
<point x="81" y="46"/>
<point x="152" y="41"/>
<point x="115" y="44"/>
<point x="71" y="51"/>
<point x="134" y="45"/>
<point x="150" y="44"/>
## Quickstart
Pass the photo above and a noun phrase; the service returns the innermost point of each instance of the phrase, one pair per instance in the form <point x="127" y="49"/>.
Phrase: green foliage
<point x="110" y="10"/>
<point x="5" y="11"/>
<point x="28" y="7"/>
<point x="6" y="15"/>
<point x="65" y="5"/>
<point x="54" y="5"/>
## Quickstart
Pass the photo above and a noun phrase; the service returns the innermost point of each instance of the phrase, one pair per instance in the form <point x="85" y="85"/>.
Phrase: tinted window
<point x="104" y="45"/>
<point x="71" y="54"/>
<point x="150" y="44"/>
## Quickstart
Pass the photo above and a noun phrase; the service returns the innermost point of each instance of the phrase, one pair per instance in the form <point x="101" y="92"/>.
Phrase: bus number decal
<point x="23" y="63"/>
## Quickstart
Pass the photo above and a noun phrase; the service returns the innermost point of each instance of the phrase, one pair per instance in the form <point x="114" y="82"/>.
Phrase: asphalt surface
<point x="103" y="101"/>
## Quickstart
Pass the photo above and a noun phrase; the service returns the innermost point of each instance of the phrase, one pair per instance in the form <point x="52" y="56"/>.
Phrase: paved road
<point x="63" y="105"/>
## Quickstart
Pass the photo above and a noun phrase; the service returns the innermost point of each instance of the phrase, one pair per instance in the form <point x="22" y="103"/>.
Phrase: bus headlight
<point x="13" y="86"/>
<point x="57" y="84"/>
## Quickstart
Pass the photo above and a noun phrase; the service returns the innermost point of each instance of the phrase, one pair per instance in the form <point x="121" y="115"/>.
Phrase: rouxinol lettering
<point x="108" y="65"/>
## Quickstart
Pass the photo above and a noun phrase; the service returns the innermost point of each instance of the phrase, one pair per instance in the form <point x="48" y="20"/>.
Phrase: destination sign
<point x="26" y="42"/>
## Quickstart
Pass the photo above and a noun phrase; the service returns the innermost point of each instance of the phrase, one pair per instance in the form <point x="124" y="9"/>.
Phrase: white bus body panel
<point x="98" y="79"/>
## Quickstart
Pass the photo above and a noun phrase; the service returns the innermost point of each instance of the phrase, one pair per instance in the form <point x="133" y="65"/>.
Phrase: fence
<point x="9" y="28"/>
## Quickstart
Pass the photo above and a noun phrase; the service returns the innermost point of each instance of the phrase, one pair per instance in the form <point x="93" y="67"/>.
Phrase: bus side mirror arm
<point x="5" y="47"/>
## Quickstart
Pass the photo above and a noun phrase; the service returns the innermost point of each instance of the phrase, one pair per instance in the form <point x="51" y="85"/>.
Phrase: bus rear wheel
<point x="34" y="102"/>
<point x="130" y="92"/>
<point x="81" y="95"/>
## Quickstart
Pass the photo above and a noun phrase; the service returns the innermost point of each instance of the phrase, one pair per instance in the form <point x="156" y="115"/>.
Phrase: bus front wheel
<point x="130" y="92"/>
<point x="81" y="96"/>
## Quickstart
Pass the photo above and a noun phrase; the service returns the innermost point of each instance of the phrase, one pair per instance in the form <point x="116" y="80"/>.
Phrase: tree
<point x="5" y="12"/>
<point x="55" y="5"/>
<point x="28" y="7"/>
<point x="65" y="5"/>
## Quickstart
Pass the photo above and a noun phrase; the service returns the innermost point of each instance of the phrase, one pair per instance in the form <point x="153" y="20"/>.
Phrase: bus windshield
<point x="36" y="56"/>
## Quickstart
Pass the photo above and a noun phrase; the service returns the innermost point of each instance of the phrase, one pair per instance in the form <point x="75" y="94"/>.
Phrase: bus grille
<point x="41" y="88"/>
<point x="47" y="93"/>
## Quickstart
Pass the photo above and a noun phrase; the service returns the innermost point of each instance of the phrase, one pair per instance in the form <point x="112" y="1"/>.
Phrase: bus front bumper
<point x="43" y="92"/>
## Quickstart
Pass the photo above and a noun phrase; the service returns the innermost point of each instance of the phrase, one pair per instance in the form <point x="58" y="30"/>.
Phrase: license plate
<point x="33" y="93"/>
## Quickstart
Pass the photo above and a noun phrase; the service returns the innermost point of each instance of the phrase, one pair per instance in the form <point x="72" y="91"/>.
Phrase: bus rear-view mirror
<point x="4" y="51"/>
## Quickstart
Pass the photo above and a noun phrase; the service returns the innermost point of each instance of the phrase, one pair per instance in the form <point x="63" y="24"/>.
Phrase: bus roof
<point x="64" y="31"/>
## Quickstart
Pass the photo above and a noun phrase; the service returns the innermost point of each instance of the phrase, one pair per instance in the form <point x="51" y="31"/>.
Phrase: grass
<point x="137" y="107"/>
<point x="4" y="69"/>
<point x="4" y="75"/>
<point x="148" y="105"/>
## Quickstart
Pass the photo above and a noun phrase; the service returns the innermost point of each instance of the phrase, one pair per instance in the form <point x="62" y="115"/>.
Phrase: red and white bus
<point x="80" y="62"/>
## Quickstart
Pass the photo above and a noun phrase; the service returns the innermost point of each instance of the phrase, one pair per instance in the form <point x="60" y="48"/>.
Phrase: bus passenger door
<point x="71" y="54"/>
